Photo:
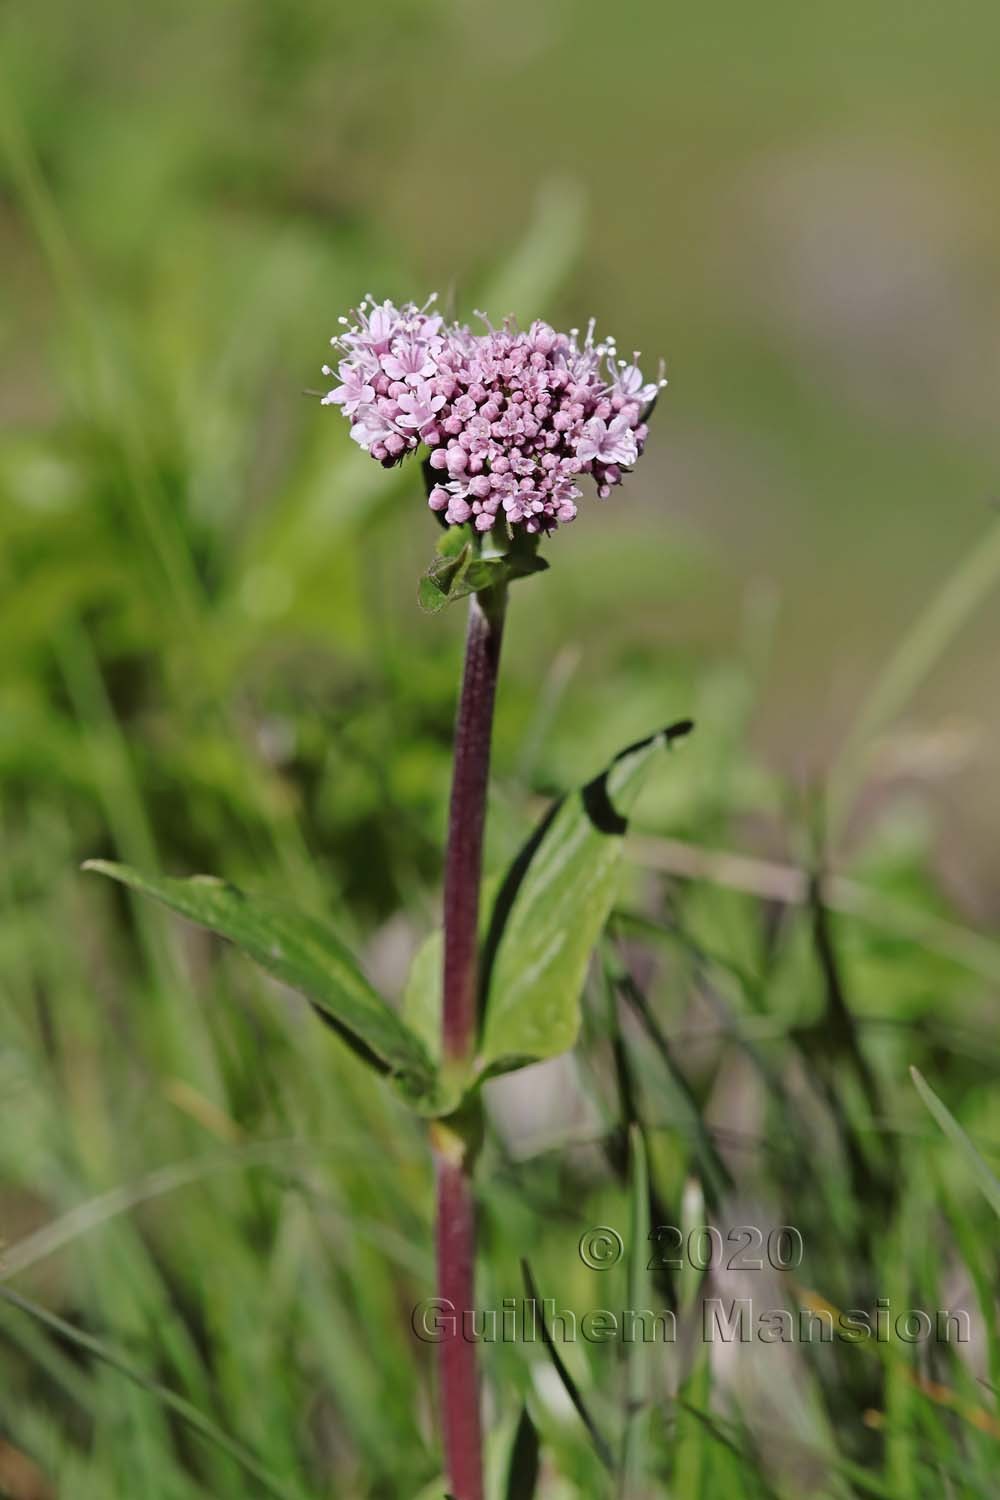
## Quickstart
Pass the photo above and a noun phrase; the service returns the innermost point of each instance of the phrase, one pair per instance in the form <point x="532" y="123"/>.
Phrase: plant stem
<point x="464" y="860"/>
<point x="454" y="1152"/>
<point x="456" y="1250"/>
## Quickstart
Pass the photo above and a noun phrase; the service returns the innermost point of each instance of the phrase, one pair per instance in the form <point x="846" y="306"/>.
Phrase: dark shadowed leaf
<point x="522" y="1475"/>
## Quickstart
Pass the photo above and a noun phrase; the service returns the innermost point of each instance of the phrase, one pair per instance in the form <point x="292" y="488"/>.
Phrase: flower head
<point x="512" y="418"/>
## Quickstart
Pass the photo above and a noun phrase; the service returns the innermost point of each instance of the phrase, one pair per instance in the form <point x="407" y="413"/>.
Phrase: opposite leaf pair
<point x="546" y="919"/>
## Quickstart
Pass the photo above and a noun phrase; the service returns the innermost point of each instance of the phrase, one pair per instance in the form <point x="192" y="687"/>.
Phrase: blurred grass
<point x="210" y="658"/>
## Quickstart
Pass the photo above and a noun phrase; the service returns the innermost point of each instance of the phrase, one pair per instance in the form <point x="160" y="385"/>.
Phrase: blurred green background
<point x="211" y="658"/>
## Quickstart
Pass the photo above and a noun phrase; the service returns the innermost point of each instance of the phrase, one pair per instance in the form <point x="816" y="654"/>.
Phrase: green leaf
<point x="304" y="954"/>
<point x="422" y="997"/>
<point x="551" y="909"/>
<point x="988" y="1184"/>
<point x="460" y="568"/>
<point x="443" y="580"/>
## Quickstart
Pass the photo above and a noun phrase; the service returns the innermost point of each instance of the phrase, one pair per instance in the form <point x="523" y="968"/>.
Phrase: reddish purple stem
<point x="456" y="1251"/>
<point x="464" y="862"/>
<point x="456" y="1218"/>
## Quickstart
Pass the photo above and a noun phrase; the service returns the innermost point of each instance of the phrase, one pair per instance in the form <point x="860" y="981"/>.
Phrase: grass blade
<point x="569" y="1385"/>
<point x="915" y="657"/>
<point x="989" y="1185"/>
<point x="187" y="1413"/>
<point x="637" y="1354"/>
<point x="714" y="1172"/>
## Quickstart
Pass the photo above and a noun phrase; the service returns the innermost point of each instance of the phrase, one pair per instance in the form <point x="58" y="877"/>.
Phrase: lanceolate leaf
<point x="304" y="954"/>
<point x="551" y="909"/>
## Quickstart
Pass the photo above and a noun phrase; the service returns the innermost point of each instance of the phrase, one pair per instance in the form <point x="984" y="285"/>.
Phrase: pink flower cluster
<point x="512" y="419"/>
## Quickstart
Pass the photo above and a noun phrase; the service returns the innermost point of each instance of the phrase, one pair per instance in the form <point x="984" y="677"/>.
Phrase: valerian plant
<point x="510" y="424"/>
